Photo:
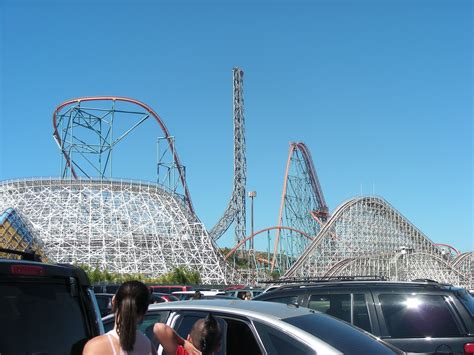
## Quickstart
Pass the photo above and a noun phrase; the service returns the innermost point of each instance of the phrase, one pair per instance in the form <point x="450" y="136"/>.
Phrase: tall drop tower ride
<point x="235" y="211"/>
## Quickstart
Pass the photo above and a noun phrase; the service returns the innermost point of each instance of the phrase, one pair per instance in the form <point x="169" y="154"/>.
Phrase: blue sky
<point x="380" y="91"/>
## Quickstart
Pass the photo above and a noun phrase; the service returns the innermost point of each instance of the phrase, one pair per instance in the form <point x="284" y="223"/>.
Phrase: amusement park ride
<point x="363" y="236"/>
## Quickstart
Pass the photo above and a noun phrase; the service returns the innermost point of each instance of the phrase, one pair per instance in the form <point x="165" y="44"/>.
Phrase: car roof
<point x="249" y="308"/>
<point x="359" y="283"/>
<point x="54" y="270"/>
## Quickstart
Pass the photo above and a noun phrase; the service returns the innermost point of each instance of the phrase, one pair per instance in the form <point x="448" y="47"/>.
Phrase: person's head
<point x="197" y="295"/>
<point x="130" y="304"/>
<point x="206" y="335"/>
<point x="248" y="296"/>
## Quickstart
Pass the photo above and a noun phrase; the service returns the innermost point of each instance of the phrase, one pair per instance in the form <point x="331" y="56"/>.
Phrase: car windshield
<point x="340" y="335"/>
<point x="40" y="318"/>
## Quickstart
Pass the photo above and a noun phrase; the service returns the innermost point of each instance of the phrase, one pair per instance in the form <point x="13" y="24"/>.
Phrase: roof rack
<point x="327" y="279"/>
<point x="425" y="280"/>
<point x="25" y="255"/>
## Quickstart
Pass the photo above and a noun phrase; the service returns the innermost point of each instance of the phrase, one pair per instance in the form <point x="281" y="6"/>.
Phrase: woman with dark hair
<point x="129" y="305"/>
<point x="204" y="338"/>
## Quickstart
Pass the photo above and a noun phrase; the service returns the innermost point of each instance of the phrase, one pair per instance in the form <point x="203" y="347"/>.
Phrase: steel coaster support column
<point x="167" y="169"/>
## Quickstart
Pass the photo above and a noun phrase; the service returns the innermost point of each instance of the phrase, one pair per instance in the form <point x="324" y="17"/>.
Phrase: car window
<point x="185" y="323"/>
<point x="105" y="304"/>
<point x="241" y="294"/>
<point x="109" y="324"/>
<point x="339" y="306"/>
<point x="146" y="327"/>
<point x="240" y="338"/>
<point x="47" y="314"/>
<point x="336" y="305"/>
<point x="361" y="313"/>
<point x="285" y="299"/>
<point x="467" y="299"/>
<point x="412" y="316"/>
<point x="340" y="335"/>
<point x="279" y="343"/>
<point x="237" y="337"/>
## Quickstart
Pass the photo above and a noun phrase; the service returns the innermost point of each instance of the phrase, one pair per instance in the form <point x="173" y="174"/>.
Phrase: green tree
<point x="179" y="275"/>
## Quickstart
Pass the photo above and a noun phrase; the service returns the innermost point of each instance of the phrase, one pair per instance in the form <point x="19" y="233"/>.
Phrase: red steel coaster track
<point x="302" y="206"/>
<point x="75" y="104"/>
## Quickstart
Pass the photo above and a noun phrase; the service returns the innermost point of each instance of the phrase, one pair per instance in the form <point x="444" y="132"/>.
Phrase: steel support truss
<point x="302" y="207"/>
<point x="86" y="132"/>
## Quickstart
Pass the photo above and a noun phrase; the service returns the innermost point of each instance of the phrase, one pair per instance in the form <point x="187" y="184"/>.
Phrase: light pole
<point x="252" y="195"/>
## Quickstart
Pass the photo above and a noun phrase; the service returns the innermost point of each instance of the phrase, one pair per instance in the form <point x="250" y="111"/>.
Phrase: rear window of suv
<point x="40" y="318"/>
<point x="467" y="300"/>
<point x="418" y="315"/>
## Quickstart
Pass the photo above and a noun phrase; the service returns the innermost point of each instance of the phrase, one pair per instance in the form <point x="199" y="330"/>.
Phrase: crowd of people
<point x="129" y="306"/>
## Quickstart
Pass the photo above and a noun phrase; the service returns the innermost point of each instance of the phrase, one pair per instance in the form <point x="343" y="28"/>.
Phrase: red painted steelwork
<point x="136" y="102"/>
<point x="449" y="247"/>
<point x="234" y="249"/>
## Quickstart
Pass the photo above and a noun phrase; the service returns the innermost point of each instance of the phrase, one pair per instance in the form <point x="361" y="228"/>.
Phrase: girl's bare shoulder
<point x="98" y="345"/>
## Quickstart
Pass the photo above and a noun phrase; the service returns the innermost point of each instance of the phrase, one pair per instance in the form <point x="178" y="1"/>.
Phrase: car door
<point x="238" y="334"/>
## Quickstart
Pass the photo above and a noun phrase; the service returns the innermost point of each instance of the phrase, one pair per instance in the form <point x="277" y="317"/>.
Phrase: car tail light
<point x="469" y="349"/>
<point x="27" y="270"/>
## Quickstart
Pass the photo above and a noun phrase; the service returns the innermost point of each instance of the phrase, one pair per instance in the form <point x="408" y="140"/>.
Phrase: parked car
<point x="160" y="297"/>
<point x="264" y="328"/>
<point x="106" y="288"/>
<point x="104" y="300"/>
<point x="188" y="295"/>
<point x="418" y="317"/>
<point x="170" y="288"/>
<point x="240" y="293"/>
<point x="45" y="308"/>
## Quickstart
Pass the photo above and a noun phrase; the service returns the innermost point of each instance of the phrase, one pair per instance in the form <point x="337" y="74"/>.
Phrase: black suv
<point x="417" y="317"/>
<point x="45" y="308"/>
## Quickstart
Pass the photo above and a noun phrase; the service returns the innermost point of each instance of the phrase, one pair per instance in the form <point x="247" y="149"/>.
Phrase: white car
<point x="187" y="295"/>
<point x="264" y="328"/>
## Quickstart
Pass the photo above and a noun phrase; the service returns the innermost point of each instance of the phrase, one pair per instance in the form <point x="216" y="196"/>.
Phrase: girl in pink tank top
<point x="129" y="304"/>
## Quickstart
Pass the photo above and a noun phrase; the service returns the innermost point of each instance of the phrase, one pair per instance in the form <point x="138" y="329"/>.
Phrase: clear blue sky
<point x="380" y="91"/>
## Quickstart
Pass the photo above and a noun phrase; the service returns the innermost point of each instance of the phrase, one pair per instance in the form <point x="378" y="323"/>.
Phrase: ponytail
<point x="131" y="303"/>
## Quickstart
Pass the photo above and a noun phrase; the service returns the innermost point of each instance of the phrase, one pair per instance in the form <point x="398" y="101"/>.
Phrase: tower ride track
<point x="236" y="211"/>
